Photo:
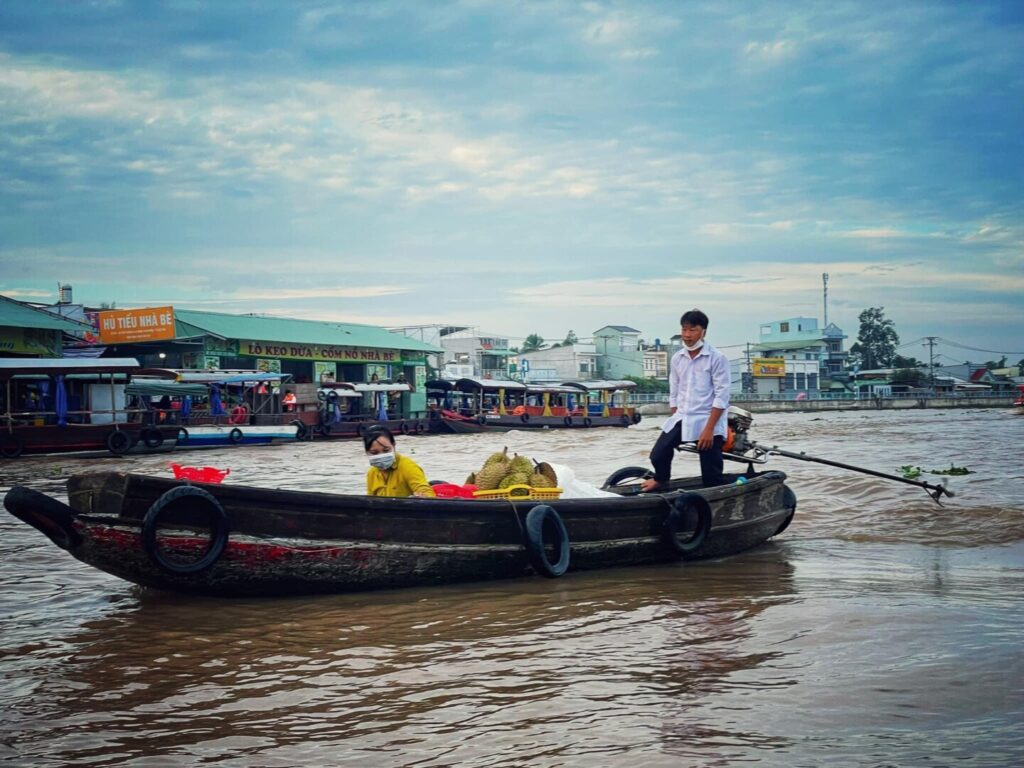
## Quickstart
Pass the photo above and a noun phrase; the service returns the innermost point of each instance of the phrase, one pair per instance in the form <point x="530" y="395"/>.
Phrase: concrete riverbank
<point x="864" y="404"/>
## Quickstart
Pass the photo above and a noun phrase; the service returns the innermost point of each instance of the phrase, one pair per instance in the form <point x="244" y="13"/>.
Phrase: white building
<point x="563" y="363"/>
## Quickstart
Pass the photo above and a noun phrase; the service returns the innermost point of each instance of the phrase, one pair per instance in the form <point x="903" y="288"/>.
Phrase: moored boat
<point x="245" y="541"/>
<point x="347" y="409"/>
<point x="73" y="405"/>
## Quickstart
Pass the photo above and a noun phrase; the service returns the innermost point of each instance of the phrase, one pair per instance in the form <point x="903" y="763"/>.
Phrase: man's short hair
<point x="694" y="317"/>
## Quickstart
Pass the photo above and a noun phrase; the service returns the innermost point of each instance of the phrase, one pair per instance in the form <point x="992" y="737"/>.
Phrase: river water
<point x="878" y="630"/>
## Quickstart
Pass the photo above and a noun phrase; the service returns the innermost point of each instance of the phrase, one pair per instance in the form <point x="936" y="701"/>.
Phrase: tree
<point x="876" y="341"/>
<point x="656" y="386"/>
<point x="910" y="376"/>
<point x="993" y="364"/>
<point x="570" y="339"/>
<point x="533" y="342"/>
<point x="899" y="361"/>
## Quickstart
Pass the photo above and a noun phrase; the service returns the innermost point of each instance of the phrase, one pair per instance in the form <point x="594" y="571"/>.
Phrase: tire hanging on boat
<point x="235" y="435"/>
<point x="301" y="429"/>
<point x="683" y="507"/>
<point x="481" y="420"/>
<point x="11" y="446"/>
<point x="567" y="421"/>
<point x="789" y="502"/>
<point x="182" y="435"/>
<point x="637" y="417"/>
<point x="617" y="477"/>
<point x="54" y="518"/>
<point x="190" y="497"/>
<point x="419" y="427"/>
<point x="524" y="418"/>
<point x="404" y="428"/>
<point x="625" y="420"/>
<point x="544" y="528"/>
<point x="587" y="421"/>
<point x="118" y="442"/>
<point x="153" y="438"/>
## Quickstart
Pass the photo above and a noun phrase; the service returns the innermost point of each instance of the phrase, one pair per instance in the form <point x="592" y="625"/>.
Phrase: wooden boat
<point x="75" y="404"/>
<point x="495" y="405"/>
<point x="216" y="409"/>
<point x="244" y="541"/>
<point x="347" y="409"/>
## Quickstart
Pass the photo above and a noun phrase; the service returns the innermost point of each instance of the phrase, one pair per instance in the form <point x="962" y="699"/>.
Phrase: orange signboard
<point x="126" y="326"/>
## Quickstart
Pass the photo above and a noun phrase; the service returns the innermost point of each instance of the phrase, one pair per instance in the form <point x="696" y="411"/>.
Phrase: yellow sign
<point x="126" y="326"/>
<point x="765" y="367"/>
<point x="290" y="351"/>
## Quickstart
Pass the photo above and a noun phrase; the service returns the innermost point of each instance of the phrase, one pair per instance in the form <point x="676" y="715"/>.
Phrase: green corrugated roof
<point x="15" y="314"/>
<point x="286" y="329"/>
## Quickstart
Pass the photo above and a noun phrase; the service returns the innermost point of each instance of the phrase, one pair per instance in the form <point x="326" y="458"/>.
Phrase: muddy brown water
<point x="880" y="629"/>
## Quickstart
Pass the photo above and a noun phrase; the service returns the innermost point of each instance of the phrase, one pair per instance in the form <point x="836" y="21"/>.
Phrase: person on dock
<point x="698" y="397"/>
<point x="391" y="473"/>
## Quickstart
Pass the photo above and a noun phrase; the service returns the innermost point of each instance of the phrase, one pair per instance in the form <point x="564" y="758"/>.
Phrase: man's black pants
<point x="711" y="462"/>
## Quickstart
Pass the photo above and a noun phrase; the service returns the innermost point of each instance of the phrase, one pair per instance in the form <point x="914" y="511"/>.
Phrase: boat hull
<point x="510" y="423"/>
<point x="292" y="542"/>
<point x="45" y="439"/>
<point x="222" y="435"/>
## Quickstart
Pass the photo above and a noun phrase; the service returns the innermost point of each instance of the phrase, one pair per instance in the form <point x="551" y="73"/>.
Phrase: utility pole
<point x="750" y="377"/>
<point x="931" y="361"/>
<point x="824" y="281"/>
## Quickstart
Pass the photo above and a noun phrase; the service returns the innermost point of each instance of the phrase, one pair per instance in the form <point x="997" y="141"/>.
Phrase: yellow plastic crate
<point x="520" y="493"/>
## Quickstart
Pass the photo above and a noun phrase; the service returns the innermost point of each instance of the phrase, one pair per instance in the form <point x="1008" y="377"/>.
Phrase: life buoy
<point x="301" y="429"/>
<point x="543" y="529"/>
<point x="239" y="415"/>
<point x="587" y="422"/>
<point x="11" y="446"/>
<point x="525" y="417"/>
<point x="118" y="442"/>
<point x="192" y="498"/>
<point x="636" y="418"/>
<point x="235" y="435"/>
<point x="403" y="428"/>
<point x="567" y="421"/>
<point x="683" y="509"/>
<point x="481" y="420"/>
<point x="153" y="438"/>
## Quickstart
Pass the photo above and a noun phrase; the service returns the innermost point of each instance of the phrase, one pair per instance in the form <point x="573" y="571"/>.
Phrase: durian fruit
<point x="487" y="479"/>
<point x="471" y="480"/>
<point x="514" y="478"/>
<point x="497" y="458"/>
<point x="521" y="465"/>
<point x="549" y="472"/>
<point x="538" y="480"/>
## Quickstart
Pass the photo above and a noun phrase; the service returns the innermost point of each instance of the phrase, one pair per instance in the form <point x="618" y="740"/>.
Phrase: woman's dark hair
<point x="694" y="317"/>
<point x="371" y="434"/>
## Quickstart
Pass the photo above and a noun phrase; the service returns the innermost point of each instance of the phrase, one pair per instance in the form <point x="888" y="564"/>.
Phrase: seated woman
<point x="391" y="473"/>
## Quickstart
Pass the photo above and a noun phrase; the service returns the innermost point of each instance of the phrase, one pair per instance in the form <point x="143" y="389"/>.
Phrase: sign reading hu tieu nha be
<point x="764" y="367"/>
<point x="121" y="326"/>
<point x="317" y="352"/>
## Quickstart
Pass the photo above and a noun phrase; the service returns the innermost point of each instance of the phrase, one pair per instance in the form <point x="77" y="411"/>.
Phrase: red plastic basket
<point x="199" y="474"/>
<point x="452" y="491"/>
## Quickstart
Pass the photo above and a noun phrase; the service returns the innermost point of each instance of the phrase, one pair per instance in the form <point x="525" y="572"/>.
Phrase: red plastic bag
<point x="199" y="474"/>
<point x="452" y="491"/>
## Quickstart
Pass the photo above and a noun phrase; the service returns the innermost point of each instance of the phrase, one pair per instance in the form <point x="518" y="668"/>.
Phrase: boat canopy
<point x="217" y="377"/>
<point x="152" y="387"/>
<point x="554" y="389"/>
<point x="469" y="383"/>
<point x="600" y="385"/>
<point x="379" y="387"/>
<point x="12" y="367"/>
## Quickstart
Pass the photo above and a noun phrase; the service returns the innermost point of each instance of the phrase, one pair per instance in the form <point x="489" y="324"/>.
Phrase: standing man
<point x="698" y="395"/>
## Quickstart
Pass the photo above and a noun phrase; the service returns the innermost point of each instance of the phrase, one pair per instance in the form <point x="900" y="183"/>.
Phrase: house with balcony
<point x="620" y="353"/>
<point x="488" y="354"/>
<point x="810" y="356"/>
<point x="566" y="362"/>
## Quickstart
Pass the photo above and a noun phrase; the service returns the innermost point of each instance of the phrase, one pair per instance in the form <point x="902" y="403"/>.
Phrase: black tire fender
<point x="301" y="429"/>
<point x="481" y="420"/>
<point x="219" y="527"/>
<point x="182" y="435"/>
<point x="567" y="421"/>
<point x="683" y="506"/>
<point x="53" y="518"/>
<point x="541" y="520"/>
<point x="625" y="419"/>
<point x="789" y="502"/>
<point x="404" y="428"/>
<point x="332" y="396"/>
<point x="419" y="428"/>
<point x="587" y="421"/>
<point x="11" y="446"/>
<point x="118" y="442"/>
<point x="637" y="418"/>
<point x="235" y="435"/>
<point x="524" y="418"/>
<point x="153" y="438"/>
<point x="617" y="477"/>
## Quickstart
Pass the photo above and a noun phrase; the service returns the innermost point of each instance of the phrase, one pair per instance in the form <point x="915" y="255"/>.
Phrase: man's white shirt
<point x="696" y="385"/>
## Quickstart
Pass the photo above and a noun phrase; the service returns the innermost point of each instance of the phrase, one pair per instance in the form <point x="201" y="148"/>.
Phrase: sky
<point x="523" y="167"/>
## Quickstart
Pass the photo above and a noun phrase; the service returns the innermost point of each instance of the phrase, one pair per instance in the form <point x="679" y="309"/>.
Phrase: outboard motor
<point x="737" y="436"/>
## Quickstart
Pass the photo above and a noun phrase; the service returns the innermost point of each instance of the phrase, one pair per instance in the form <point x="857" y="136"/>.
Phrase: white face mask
<point x="693" y="347"/>
<point x="382" y="460"/>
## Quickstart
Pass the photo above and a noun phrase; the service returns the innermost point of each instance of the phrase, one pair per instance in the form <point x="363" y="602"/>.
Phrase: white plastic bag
<point x="573" y="488"/>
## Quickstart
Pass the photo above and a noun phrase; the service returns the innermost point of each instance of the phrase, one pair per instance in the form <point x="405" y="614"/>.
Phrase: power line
<point x="975" y="349"/>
